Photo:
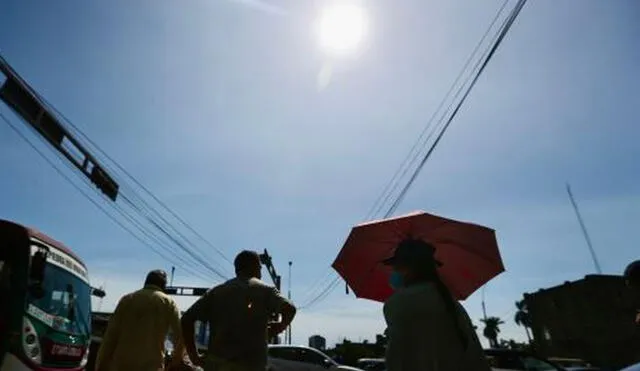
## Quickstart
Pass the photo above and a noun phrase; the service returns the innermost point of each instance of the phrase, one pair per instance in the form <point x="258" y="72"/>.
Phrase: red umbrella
<point x="469" y="253"/>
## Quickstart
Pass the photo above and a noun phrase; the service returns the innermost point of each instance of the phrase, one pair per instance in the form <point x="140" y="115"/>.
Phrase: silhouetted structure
<point x="591" y="319"/>
<point x="350" y="352"/>
<point x="317" y="342"/>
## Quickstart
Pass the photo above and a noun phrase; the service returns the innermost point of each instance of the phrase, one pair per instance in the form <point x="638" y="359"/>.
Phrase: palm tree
<point x="522" y="317"/>
<point x="492" y="329"/>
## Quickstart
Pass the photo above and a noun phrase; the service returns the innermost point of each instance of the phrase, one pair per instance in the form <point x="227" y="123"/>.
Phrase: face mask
<point x="396" y="280"/>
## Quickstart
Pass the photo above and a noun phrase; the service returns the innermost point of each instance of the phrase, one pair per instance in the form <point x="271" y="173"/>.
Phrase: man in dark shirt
<point x="632" y="277"/>
<point x="239" y="313"/>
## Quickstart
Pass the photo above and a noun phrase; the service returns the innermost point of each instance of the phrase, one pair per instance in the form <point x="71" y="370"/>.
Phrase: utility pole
<point x="584" y="231"/>
<point x="289" y="296"/>
<point x="484" y="307"/>
<point x="267" y="261"/>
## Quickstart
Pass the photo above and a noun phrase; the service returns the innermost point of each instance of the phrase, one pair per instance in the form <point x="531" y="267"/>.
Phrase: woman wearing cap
<point x="428" y="329"/>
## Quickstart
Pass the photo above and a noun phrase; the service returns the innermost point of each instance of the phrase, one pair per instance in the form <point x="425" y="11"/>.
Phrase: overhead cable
<point x="414" y="154"/>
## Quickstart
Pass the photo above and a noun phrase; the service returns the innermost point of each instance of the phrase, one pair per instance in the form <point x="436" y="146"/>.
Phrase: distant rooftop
<point x="588" y="278"/>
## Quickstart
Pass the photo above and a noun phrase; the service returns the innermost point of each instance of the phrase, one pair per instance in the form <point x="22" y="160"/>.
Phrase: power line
<point x="12" y="74"/>
<point x="145" y="189"/>
<point x="469" y="83"/>
<point x="488" y="57"/>
<point x="323" y="294"/>
<point x="86" y="195"/>
<point x="410" y="160"/>
<point x="318" y="286"/>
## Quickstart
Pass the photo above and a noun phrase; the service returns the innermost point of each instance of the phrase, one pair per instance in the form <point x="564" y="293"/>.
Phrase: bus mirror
<point x="98" y="292"/>
<point x="38" y="265"/>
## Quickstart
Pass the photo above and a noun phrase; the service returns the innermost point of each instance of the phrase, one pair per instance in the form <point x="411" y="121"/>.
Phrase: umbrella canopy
<point x="468" y="252"/>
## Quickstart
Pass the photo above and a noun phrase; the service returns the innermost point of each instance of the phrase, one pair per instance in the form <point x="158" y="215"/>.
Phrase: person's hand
<point x="196" y="360"/>
<point x="183" y="366"/>
<point x="276" y="329"/>
<point x="638" y="318"/>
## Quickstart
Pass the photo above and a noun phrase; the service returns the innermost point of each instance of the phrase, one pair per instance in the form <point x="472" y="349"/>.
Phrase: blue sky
<point x="214" y="106"/>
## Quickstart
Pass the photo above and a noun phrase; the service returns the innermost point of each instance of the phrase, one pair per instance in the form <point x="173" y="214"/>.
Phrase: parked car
<point x="299" y="358"/>
<point x="571" y="363"/>
<point x="513" y="360"/>
<point x="372" y="364"/>
<point x="635" y="367"/>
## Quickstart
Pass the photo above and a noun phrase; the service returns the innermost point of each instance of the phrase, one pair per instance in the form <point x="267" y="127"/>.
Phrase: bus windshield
<point x="65" y="305"/>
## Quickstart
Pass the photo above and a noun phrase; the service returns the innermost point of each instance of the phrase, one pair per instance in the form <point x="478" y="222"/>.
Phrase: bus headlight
<point x="85" y="357"/>
<point x="30" y="339"/>
<point x="30" y="343"/>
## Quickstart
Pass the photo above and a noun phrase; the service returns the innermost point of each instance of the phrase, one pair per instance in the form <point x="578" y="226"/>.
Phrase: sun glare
<point x="341" y="27"/>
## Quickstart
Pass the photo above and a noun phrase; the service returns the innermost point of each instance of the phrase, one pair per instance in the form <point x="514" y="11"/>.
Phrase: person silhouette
<point x="632" y="278"/>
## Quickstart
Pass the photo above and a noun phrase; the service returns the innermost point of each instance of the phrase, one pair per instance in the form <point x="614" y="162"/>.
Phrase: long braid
<point x="429" y="273"/>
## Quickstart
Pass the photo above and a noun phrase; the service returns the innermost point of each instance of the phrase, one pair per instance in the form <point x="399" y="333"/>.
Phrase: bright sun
<point x="342" y="28"/>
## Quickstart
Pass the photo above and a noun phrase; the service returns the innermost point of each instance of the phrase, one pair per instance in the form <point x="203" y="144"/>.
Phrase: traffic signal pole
<point x="33" y="110"/>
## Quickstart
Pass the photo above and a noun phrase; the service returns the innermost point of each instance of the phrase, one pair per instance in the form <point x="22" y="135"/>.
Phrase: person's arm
<point x="197" y="311"/>
<point x="391" y="355"/>
<point x="175" y="326"/>
<point x="110" y="337"/>
<point x="279" y="304"/>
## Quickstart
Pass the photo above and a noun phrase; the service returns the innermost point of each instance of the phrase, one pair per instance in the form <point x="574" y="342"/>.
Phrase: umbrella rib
<point x="478" y="253"/>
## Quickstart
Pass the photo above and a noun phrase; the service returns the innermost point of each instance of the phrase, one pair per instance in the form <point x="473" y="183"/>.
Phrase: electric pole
<point x="289" y="296"/>
<point x="267" y="261"/>
<point x="484" y="307"/>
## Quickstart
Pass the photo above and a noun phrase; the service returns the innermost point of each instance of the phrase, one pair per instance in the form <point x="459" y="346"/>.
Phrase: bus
<point x="45" y="303"/>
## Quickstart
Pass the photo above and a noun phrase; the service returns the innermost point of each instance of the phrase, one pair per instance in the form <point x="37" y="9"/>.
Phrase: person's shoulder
<point x="258" y="284"/>
<point x="413" y="295"/>
<point x="133" y="295"/>
<point x="155" y="296"/>
<point x="126" y="298"/>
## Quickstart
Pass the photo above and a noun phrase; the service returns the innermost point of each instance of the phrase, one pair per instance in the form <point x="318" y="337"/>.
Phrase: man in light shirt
<point x="136" y="333"/>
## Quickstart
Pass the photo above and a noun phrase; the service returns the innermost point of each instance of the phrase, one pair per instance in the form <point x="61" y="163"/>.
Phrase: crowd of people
<point x="428" y="330"/>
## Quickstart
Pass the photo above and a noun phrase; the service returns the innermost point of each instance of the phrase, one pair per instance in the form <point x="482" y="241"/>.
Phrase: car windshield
<point x="65" y="305"/>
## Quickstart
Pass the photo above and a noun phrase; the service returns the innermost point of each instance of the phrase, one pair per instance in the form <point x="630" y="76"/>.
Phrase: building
<point x="591" y="319"/>
<point x="318" y="342"/>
